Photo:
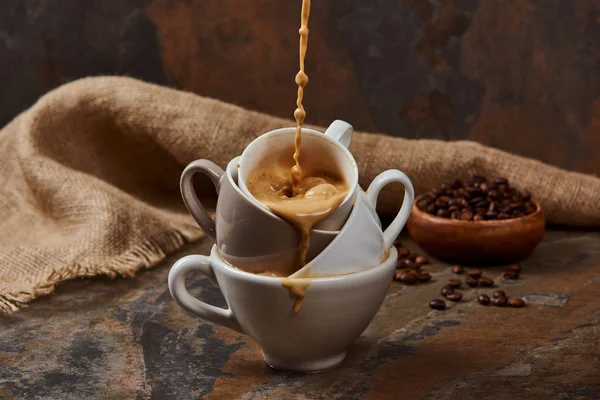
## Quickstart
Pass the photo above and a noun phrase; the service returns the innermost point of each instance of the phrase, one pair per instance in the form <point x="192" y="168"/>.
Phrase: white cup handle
<point x="380" y="181"/>
<point x="340" y="131"/>
<point x="193" y="204"/>
<point x="188" y="302"/>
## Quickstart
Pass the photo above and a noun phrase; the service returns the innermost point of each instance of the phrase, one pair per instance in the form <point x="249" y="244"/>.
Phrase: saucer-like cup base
<point x="307" y="366"/>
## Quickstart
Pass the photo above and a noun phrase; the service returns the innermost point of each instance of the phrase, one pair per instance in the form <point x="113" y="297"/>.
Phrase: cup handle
<point x="383" y="179"/>
<point x="188" y="302"/>
<point x="340" y="131"/>
<point x="193" y="204"/>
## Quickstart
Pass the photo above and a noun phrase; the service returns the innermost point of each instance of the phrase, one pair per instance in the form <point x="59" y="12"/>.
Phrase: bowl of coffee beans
<point x="477" y="221"/>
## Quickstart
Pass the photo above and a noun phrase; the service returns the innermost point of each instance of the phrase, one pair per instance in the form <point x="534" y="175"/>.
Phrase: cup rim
<point x="214" y="255"/>
<point x="353" y="184"/>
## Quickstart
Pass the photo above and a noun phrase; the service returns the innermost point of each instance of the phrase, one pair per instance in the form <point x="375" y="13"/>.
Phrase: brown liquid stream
<point x="301" y="200"/>
<point x="300" y="113"/>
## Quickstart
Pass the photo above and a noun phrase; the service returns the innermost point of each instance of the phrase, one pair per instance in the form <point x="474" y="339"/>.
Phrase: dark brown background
<point x="520" y="75"/>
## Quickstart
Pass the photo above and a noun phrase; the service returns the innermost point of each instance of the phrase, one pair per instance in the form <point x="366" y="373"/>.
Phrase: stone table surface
<point x="127" y="339"/>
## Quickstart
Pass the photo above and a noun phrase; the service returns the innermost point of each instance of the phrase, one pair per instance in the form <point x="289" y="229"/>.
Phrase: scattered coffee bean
<point x="475" y="273"/>
<point x="408" y="279"/>
<point x="458" y="269"/>
<point x="500" y="301"/>
<point x="516" y="302"/>
<point x="437" y="304"/>
<point x="472" y="282"/>
<point x="406" y="263"/>
<point x="456" y="296"/>
<point x="402" y="252"/>
<point x="514" y="268"/>
<point x="446" y="290"/>
<point x="485" y="282"/>
<point x="413" y="257"/>
<point x="510" y="275"/>
<point x="483" y="299"/>
<point x="424" y="276"/>
<point x="499" y="293"/>
<point x="454" y="283"/>
<point x="397" y="275"/>
<point x="477" y="199"/>
<point x="421" y="260"/>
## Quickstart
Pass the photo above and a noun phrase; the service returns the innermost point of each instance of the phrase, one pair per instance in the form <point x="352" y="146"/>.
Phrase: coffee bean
<point x="457" y="269"/>
<point x="516" y="204"/>
<point x="414" y="271"/>
<point x="456" y="296"/>
<point x="500" y="301"/>
<point x="514" y="268"/>
<point x="472" y="282"/>
<point x="402" y="253"/>
<point x="493" y="194"/>
<point x="406" y="263"/>
<point x="510" y="275"/>
<point x="397" y="275"/>
<point x="483" y="204"/>
<point x="491" y="215"/>
<point x="454" y="283"/>
<point x="440" y="202"/>
<point x="483" y="299"/>
<point x="421" y="260"/>
<point x="424" y="276"/>
<point x="477" y="199"/>
<point x="443" y="213"/>
<point x="475" y="273"/>
<point x="437" y="304"/>
<point x="408" y="279"/>
<point x="485" y="282"/>
<point x="423" y="203"/>
<point x="446" y="290"/>
<point x="516" y="302"/>
<point x="499" y="293"/>
<point x="466" y="215"/>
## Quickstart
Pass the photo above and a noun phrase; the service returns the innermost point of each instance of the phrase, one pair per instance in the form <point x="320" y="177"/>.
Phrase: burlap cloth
<point x="89" y="178"/>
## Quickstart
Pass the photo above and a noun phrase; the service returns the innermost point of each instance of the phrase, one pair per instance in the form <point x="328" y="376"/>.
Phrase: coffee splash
<point x="317" y="196"/>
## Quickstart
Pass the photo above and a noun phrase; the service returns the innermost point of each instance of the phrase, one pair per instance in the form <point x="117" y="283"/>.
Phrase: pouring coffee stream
<point x="300" y="113"/>
<point x="301" y="200"/>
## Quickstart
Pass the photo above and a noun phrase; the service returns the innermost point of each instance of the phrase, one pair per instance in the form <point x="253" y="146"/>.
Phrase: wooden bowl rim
<point x="449" y="221"/>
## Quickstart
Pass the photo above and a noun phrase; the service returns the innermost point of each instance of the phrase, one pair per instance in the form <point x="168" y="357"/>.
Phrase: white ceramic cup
<point x="318" y="150"/>
<point x="361" y="244"/>
<point x="248" y="236"/>
<point x="334" y="313"/>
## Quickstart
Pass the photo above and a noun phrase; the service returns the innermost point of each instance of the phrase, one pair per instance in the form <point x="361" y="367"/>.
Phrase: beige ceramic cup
<point x="334" y="313"/>
<point x="247" y="235"/>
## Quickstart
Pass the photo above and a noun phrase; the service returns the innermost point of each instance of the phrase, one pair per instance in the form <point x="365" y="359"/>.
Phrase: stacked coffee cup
<point x="350" y="262"/>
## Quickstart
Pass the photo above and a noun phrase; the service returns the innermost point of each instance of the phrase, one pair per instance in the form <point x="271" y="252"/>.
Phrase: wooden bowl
<point x="477" y="242"/>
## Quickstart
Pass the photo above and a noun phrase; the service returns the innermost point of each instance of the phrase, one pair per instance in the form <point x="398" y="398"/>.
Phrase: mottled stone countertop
<point x="127" y="339"/>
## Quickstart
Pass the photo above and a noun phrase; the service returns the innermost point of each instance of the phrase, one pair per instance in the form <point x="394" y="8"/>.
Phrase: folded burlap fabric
<point x="89" y="178"/>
